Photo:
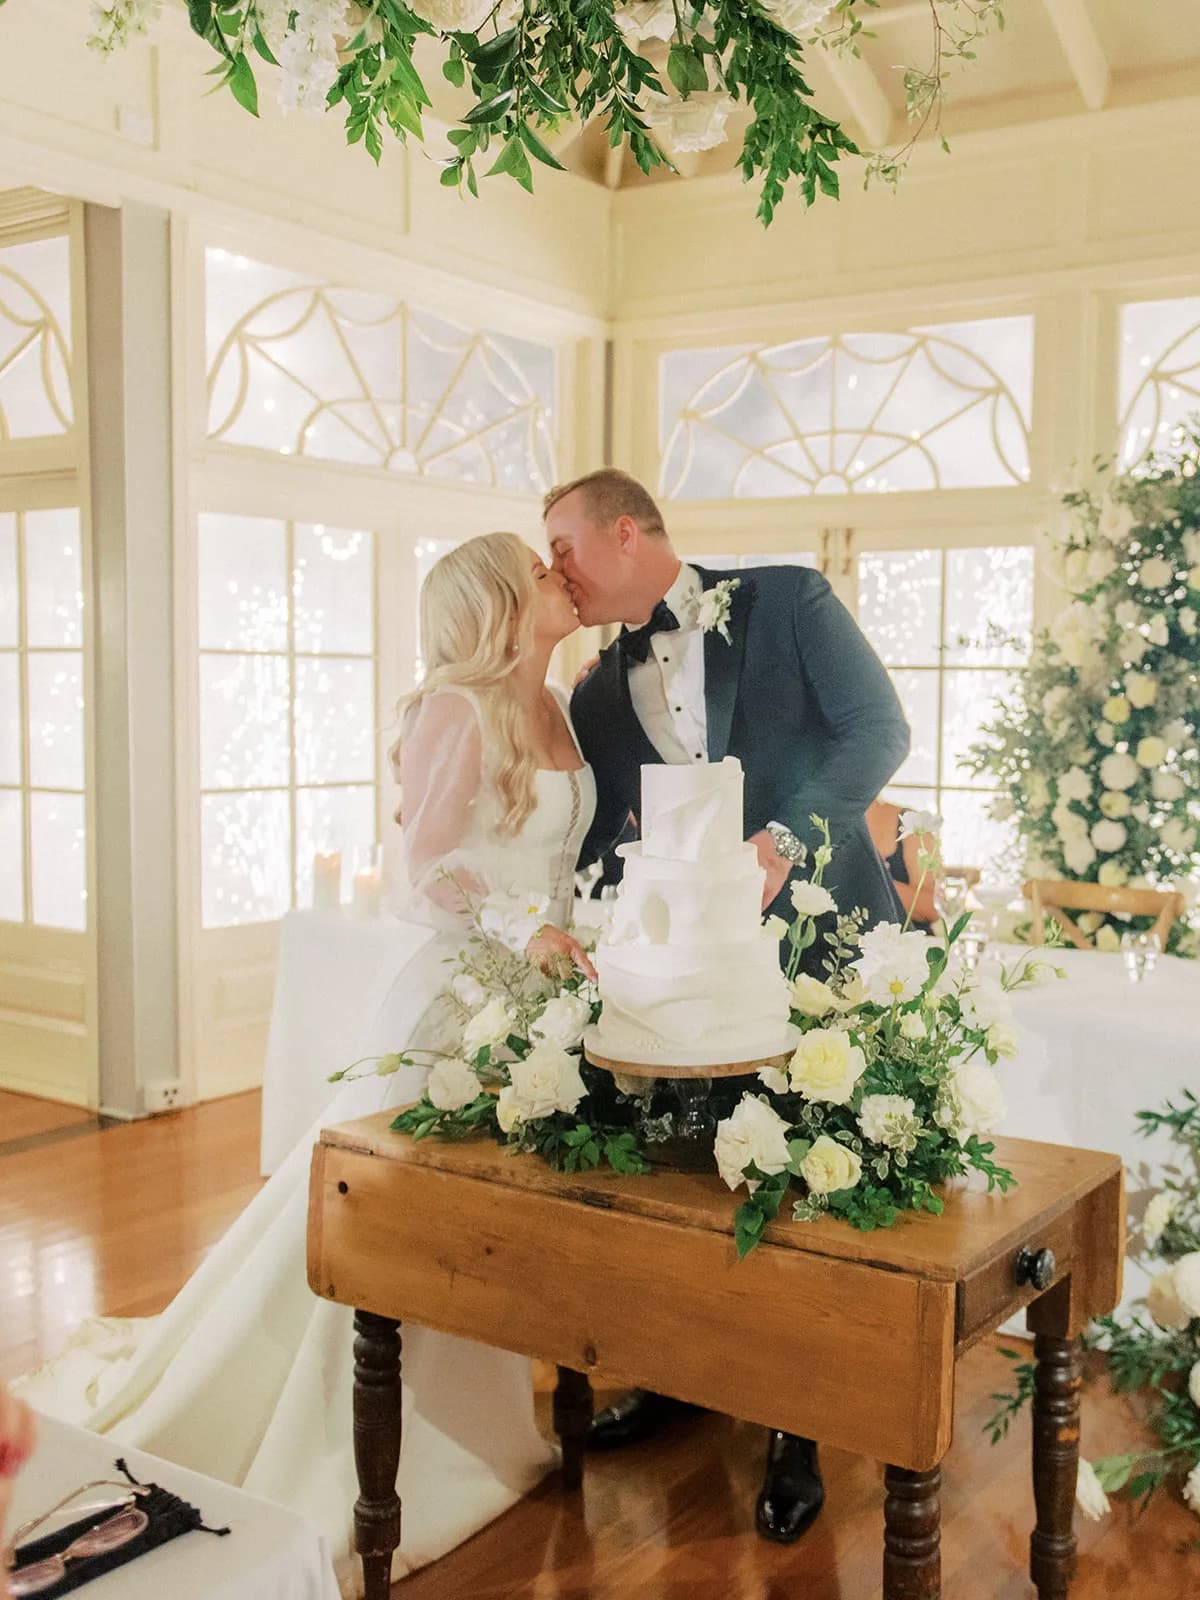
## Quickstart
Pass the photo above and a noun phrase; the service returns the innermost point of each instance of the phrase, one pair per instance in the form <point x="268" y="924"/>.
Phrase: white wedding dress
<point x="246" y="1376"/>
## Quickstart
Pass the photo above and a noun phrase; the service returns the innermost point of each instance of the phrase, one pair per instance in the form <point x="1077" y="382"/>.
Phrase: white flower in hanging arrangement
<point x="308" y="54"/>
<point x="800" y="18"/>
<point x="116" y="22"/>
<point x="691" y="125"/>
<point x="646" y="19"/>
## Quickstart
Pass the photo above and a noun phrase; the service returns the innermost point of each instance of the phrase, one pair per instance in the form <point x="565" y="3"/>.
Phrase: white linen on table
<point x="270" y="1554"/>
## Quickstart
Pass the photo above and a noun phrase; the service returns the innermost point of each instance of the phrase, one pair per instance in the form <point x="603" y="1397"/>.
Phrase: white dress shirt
<point x="667" y="688"/>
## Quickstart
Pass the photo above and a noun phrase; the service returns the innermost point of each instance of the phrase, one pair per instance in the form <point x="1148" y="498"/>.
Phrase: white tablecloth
<point x="1095" y="1050"/>
<point x="270" y="1553"/>
<point x="328" y="979"/>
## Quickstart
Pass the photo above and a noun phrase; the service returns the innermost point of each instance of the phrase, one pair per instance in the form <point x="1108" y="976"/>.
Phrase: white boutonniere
<point x="713" y="607"/>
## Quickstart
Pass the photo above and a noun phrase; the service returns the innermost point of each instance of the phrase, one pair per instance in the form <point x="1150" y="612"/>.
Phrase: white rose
<point x="773" y="1079"/>
<point x="977" y="1101"/>
<point x="1116" y="522"/>
<point x="1187" y="1282"/>
<point x="1177" y="836"/>
<point x="1109" y="836"/>
<point x="893" y="965"/>
<point x="491" y="1026"/>
<point x="1151" y="751"/>
<point x="1037" y="792"/>
<point x="1090" y="921"/>
<point x="513" y="919"/>
<point x="1100" y="563"/>
<point x="452" y="1085"/>
<point x="1106" y="734"/>
<point x="1118" y="771"/>
<point x="1116" y="709"/>
<point x="1114" y="804"/>
<point x="826" y="1066"/>
<point x="562" y="1021"/>
<point x="829" y="1167"/>
<point x="1191" y="1490"/>
<point x="545" y="1082"/>
<point x="1079" y="856"/>
<point x="1176" y="733"/>
<point x="1141" y="688"/>
<point x="1089" y="1496"/>
<point x="810" y="900"/>
<point x="1167" y="786"/>
<point x="1068" y="824"/>
<point x="812" y="998"/>
<point x="454" y="16"/>
<point x="914" y="822"/>
<point x="697" y="123"/>
<point x="1157" y="1214"/>
<point x="468" y="991"/>
<point x="645" y="19"/>
<point x="1140" y="812"/>
<point x="1074" y="784"/>
<point x="755" y="1135"/>
<point x="1128" y="613"/>
<point x="912" y="1026"/>
<point x="1193" y="578"/>
<point x="1107" y="939"/>
<point x="1191" y="544"/>
<point x="1188" y="621"/>
<point x="1112" y="875"/>
<point x="1164" y="1305"/>
<point x="801" y="18"/>
<point x="1075" y="567"/>
<point x="886" y="1118"/>
<point x="1155" y="573"/>
<point x="1134" y="647"/>
<point x="508" y="1111"/>
<point x="1157" y="631"/>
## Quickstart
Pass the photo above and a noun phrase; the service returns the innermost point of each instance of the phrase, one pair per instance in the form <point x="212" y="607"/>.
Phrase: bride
<point x="246" y="1375"/>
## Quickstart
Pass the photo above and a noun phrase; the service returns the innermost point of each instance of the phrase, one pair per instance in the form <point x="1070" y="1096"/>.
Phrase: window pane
<point x="10" y="717"/>
<point x="12" y="853"/>
<point x="53" y="578"/>
<point x="335" y="720"/>
<point x="59" y="861"/>
<point x="331" y="819"/>
<point x="930" y="408"/>
<point x="918" y="693"/>
<point x="968" y="701"/>
<point x="35" y="338"/>
<point x="989" y="598"/>
<point x="8" y="580"/>
<point x="56" y="719"/>
<point x="243" y="721"/>
<point x="246" y="857"/>
<point x="333" y="590"/>
<point x="243" y="583"/>
<point x="972" y="839"/>
<point x="1159" y="372"/>
<point x="899" y="604"/>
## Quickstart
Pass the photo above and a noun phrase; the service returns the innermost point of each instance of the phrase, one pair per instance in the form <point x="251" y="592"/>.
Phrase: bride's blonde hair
<point x="477" y="621"/>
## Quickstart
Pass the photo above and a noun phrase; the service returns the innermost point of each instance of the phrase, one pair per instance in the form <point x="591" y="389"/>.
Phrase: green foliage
<point x="1011" y="1402"/>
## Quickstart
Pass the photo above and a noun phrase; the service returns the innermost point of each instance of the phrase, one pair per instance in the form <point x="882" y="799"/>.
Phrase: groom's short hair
<point x="608" y="494"/>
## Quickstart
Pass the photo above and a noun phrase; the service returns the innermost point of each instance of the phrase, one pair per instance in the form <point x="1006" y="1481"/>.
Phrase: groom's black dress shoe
<point x="792" y="1491"/>
<point x="638" y="1415"/>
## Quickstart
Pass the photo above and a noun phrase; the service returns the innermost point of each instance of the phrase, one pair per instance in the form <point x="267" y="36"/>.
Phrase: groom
<point x="795" y="692"/>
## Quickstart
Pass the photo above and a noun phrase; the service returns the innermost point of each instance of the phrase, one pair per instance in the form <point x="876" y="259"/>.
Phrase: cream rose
<point x="1078" y="856"/>
<point x="1193" y="578"/>
<point x="1109" y="836"/>
<point x="1108" y="940"/>
<point x="1155" y="573"/>
<point x="1164" y="1304"/>
<point x="1106" y="734"/>
<point x="1188" y="621"/>
<point x="646" y="19"/>
<point x="1118" y="771"/>
<point x="452" y="1085"/>
<point x="1151" y="751"/>
<point x="1167" y="786"/>
<point x="826" y="1066"/>
<point x="546" y="1081"/>
<point x="1112" y="875"/>
<point x="491" y="1026"/>
<point x="1187" y="1282"/>
<point x="562" y="1021"/>
<point x="1116" y="709"/>
<point x="1114" y="804"/>
<point x="829" y="1167"/>
<point x="1141" y="688"/>
<point x="755" y="1135"/>
<point x="1074" y="784"/>
<point x="812" y="998"/>
<point x="1157" y="1214"/>
<point x="1191" y="1490"/>
<point x="1177" y="836"/>
<point x="977" y="1101"/>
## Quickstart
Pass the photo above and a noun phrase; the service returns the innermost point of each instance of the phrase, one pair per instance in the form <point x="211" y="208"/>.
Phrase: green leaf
<point x="200" y="16"/>
<point x="515" y="163"/>
<point x="490" y="111"/>
<point x="454" y="71"/>
<point x="400" y="109"/>
<point x="685" y="68"/>
<point x="409" y="79"/>
<point x="242" y="84"/>
<point x="537" y="149"/>
<point x="263" y="48"/>
<point x="495" y="51"/>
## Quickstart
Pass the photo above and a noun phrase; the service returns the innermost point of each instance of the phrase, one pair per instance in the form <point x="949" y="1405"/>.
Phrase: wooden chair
<point x="971" y="874"/>
<point x="1053" y="896"/>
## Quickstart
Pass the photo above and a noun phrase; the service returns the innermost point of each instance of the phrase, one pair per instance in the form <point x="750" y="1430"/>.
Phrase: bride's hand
<point x="585" y="671"/>
<point x="550" y="944"/>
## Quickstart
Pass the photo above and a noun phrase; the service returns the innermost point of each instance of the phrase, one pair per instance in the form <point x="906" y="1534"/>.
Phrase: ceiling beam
<point x="1081" y="45"/>
<point x="863" y="93"/>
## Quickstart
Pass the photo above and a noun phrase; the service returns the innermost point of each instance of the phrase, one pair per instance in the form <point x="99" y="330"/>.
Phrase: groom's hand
<point x="773" y="864"/>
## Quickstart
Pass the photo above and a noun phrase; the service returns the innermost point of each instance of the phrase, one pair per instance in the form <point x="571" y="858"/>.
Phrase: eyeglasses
<point x="123" y="1526"/>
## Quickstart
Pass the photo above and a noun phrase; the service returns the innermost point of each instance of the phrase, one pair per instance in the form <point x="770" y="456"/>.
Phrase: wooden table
<point x="846" y="1337"/>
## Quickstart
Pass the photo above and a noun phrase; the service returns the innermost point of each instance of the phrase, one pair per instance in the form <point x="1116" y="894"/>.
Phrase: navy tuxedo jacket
<point x="802" y="700"/>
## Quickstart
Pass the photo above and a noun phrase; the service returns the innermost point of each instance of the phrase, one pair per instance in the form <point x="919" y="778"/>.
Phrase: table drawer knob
<point x="1036" y="1267"/>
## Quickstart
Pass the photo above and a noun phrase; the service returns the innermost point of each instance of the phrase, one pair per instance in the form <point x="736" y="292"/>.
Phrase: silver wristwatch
<point x="787" y="844"/>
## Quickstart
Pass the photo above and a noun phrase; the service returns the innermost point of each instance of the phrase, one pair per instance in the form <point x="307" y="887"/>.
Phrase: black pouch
<point x="169" y="1517"/>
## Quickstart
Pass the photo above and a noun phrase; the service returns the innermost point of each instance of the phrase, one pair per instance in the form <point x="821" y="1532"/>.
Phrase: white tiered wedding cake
<point x="688" y="974"/>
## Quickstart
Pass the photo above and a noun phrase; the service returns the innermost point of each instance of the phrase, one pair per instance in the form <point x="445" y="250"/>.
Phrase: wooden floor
<point x="114" y="1220"/>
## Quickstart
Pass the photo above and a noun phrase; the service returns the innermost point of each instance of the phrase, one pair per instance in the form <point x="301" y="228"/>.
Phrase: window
<point x="304" y="368"/>
<point x="35" y="338"/>
<point x="948" y="624"/>
<point x="1159" y="373"/>
<point x="932" y="408"/>
<point x="43" y="860"/>
<point x="287" y="709"/>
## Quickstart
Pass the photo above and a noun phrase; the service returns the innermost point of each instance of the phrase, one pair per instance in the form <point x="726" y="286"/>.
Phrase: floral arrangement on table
<point x="1158" y="1352"/>
<point x="890" y="1092"/>
<point x="664" y="76"/>
<point x="1094" y="745"/>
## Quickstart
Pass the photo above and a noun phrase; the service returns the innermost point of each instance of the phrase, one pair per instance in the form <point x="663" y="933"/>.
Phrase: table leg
<point x="912" y="1539"/>
<point x="1055" y="1465"/>
<point x="572" y="1423"/>
<point x="377" y="1424"/>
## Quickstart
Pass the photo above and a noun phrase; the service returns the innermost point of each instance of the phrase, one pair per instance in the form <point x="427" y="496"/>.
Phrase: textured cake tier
<point x="731" y="998"/>
<point x="688" y="904"/>
<point x="692" y="813"/>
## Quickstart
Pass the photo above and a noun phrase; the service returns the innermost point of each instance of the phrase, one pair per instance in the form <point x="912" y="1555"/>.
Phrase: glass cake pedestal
<point x="688" y="1077"/>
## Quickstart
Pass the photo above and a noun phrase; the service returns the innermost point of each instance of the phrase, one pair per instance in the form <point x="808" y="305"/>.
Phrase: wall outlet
<point x="165" y="1096"/>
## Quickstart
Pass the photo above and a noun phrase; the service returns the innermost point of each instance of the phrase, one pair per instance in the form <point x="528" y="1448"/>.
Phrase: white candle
<point x="327" y="881"/>
<point x="367" y="885"/>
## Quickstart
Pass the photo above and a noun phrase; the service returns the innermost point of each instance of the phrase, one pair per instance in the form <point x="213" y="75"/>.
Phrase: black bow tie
<point x="635" y="642"/>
